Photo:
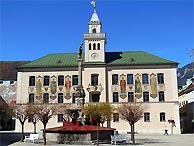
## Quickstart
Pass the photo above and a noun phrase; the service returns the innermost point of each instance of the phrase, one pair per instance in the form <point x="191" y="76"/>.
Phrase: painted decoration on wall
<point x="138" y="88"/>
<point x="38" y="87"/>
<point x="53" y="87"/>
<point x="68" y="86"/>
<point x="123" y="86"/>
<point x="153" y="85"/>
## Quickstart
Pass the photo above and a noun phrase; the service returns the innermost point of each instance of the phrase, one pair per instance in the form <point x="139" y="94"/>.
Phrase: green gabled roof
<point x="111" y="58"/>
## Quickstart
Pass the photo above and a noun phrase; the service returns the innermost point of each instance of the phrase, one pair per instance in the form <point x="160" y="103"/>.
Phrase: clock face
<point x="94" y="55"/>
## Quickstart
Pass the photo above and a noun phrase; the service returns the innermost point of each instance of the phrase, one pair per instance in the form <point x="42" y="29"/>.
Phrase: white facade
<point x="102" y="89"/>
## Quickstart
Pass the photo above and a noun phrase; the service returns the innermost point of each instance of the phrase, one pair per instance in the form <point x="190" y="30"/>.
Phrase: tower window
<point x="98" y="46"/>
<point x="94" y="30"/>
<point x="94" y="46"/>
<point x="90" y="47"/>
<point x="94" y="79"/>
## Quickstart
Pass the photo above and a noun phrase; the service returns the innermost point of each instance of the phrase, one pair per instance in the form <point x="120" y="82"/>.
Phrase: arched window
<point x="90" y="47"/>
<point x="94" y="30"/>
<point x="98" y="46"/>
<point x="94" y="46"/>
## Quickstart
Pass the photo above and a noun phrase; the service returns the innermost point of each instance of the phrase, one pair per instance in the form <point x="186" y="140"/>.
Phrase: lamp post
<point x="80" y="93"/>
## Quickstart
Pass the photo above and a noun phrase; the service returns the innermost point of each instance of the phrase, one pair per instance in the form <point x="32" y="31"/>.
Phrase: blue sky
<point x="31" y="29"/>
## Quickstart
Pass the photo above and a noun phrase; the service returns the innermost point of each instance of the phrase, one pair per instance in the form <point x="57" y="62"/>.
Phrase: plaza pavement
<point x="141" y="140"/>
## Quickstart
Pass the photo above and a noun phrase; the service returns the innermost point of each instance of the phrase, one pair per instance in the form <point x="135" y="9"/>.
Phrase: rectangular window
<point x="130" y="97"/>
<point x="115" y="79"/>
<point x="60" y="80"/>
<point x="60" y="97"/>
<point x="46" y="81"/>
<point x="115" y="97"/>
<point x="129" y="79"/>
<point x="45" y="98"/>
<point x="160" y="78"/>
<point x="161" y="96"/>
<point x="145" y="96"/>
<point x="145" y="79"/>
<point x="60" y="117"/>
<point x="95" y="97"/>
<point x="94" y="79"/>
<point x="115" y="117"/>
<point x="75" y="80"/>
<point x="146" y="117"/>
<point x="32" y="81"/>
<point x="30" y="118"/>
<point x="31" y="98"/>
<point x="162" y="117"/>
<point x="73" y="98"/>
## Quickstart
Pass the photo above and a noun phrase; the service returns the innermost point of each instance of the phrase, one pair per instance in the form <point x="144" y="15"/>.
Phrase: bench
<point x="118" y="139"/>
<point x="32" y="138"/>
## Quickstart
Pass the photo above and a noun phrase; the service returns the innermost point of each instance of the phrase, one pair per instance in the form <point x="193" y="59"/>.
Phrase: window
<point x="30" y="118"/>
<point x="130" y="97"/>
<point x="95" y="97"/>
<point x="129" y="78"/>
<point x="31" y="98"/>
<point x="115" y="117"/>
<point x="46" y="81"/>
<point x="75" y="80"/>
<point x="94" y="30"/>
<point x="32" y="81"/>
<point x="90" y="47"/>
<point x="60" y="97"/>
<point x="60" y="117"/>
<point x="160" y="78"/>
<point x="98" y="46"/>
<point x="45" y="98"/>
<point x="161" y="96"/>
<point x="145" y="96"/>
<point x="73" y="98"/>
<point x="94" y="46"/>
<point x="94" y="79"/>
<point x="145" y="79"/>
<point x="60" y="80"/>
<point x="115" y="79"/>
<point x="162" y="117"/>
<point x="146" y="117"/>
<point x="115" y="97"/>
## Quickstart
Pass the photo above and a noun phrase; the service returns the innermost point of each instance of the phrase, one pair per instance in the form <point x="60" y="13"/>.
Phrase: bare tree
<point x="131" y="112"/>
<point x="20" y="112"/>
<point x="45" y="112"/>
<point x="32" y="109"/>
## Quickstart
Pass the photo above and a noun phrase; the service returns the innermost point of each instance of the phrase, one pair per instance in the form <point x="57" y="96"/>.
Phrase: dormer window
<point x="94" y="30"/>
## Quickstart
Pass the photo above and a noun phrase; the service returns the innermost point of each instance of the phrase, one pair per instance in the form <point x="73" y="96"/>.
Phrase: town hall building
<point x="114" y="77"/>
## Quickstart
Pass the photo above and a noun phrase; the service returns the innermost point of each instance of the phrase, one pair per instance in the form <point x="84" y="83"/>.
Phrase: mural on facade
<point x="53" y="87"/>
<point x="123" y="86"/>
<point x="68" y="86"/>
<point x="38" y="87"/>
<point x="138" y="88"/>
<point x="153" y="85"/>
<point x="8" y="91"/>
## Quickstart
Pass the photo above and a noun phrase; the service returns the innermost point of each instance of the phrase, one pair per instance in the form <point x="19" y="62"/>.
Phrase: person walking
<point x="165" y="131"/>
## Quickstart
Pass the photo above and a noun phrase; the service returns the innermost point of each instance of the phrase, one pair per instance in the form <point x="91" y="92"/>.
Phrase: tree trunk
<point x="98" y="133"/>
<point x="132" y="133"/>
<point x="22" y="133"/>
<point x="34" y="127"/>
<point x="44" y="134"/>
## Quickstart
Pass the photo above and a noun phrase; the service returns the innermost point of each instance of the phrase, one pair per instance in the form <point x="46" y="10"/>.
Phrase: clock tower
<point x="95" y="40"/>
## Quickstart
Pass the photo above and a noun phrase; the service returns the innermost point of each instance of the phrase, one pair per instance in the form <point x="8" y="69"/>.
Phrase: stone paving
<point x="141" y="140"/>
